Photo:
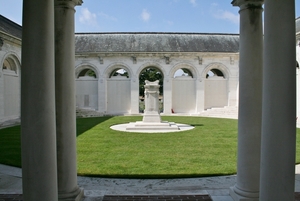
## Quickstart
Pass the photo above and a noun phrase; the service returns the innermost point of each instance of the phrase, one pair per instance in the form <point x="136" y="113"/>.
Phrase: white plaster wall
<point x="184" y="96"/>
<point x="87" y="93"/>
<point x="11" y="95"/>
<point x="118" y="96"/>
<point x="10" y="86"/>
<point x="216" y="94"/>
<point x="106" y="100"/>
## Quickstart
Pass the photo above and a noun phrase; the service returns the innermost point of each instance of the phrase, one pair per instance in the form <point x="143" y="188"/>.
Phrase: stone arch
<point x="118" y="89"/>
<point x="86" y="82"/>
<point x="115" y="66"/>
<point x="155" y="65"/>
<point x="184" y="90"/>
<point x="11" y="86"/>
<point x="219" y="66"/>
<point x="187" y="66"/>
<point x="85" y="67"/>
<point x="216" y="91"/>
<point x="162" y="88"/>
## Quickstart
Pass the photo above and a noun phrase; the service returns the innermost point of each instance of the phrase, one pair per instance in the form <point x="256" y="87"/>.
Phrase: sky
<point x="196" y="16"/>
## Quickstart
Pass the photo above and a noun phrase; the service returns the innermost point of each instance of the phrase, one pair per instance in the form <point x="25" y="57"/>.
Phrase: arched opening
<point x="119" y="72"/>
<point x="87" y="73"/>
<point x="183" y="92"/>
<point x="215" y="73"/>
<point x="183" y="72"/>
<point x="151" y="74"/>
<point x="216" y="89"/>
<point x="9" y="65"/>
<point x="87" y="88"/>
<point x="118" y="91"/>
<point x="11" y="86"/>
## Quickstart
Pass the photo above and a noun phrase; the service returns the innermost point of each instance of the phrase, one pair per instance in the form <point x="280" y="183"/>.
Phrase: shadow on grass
<point x="84" y="124"/>
<point x="196" y="125"/>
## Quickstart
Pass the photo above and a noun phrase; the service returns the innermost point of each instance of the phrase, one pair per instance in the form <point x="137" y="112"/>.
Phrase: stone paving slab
<point x="19" y="197"/>
<point x="11" y="197"/>
<point x="157" y="197"/>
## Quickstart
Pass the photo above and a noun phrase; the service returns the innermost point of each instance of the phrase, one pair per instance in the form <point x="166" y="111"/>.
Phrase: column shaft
<point x="38" y="103"/>
<point x="65" y="100"/>
<point x="167" y="96"/>
<point x="135" y="101"/>
<point x="279" y="102"/>
<point x="200" y="95"/>
<point x="250" y="102"/>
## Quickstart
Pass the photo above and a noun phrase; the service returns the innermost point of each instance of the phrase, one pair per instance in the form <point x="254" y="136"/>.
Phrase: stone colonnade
<point x="202" y="94"/>
<point x="250" y="100"/>
<point x="48" y="101"/>
<point x="279" y="102"/>
<point x="267" y="107"/>
<point x="49" y="167"/>
<point x="65" y="99"/>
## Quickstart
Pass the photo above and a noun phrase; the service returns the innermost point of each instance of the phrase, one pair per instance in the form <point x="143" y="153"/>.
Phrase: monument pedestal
<point x="140" y="125"/>
<point x="151" y="119"/>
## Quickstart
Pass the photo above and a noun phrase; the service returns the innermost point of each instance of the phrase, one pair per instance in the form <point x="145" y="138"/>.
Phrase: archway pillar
<point x="38" y="131"/>
<point x="199" y="95"/>
<point x="135" y="100"/>
<point x="279" y="102"/>
<point x="250" y="101"/>
<point x="65" y="100"/>
<point x="102" y="95"/>
<point x="167" y="96"/>
<point x="232" y="93"/>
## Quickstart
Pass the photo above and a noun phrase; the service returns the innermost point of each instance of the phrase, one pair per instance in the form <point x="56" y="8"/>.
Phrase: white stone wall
<point x="184" y="95"/>
<point x="116" y="96"/>
<point x="10" y="80"/>
<point x="192" y="97"/>
<point x="216" y="92"/>
<point x="87" y="93"/>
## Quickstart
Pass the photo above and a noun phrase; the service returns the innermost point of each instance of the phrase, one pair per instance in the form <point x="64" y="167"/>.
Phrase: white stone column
<point x="250" y="100"/>
<point x="167" y="96"/>
<point x="279" y="102"/>
<point x="134" y="95"/>
<point x="65" y="100"/>
<point x="199" y="95"/>
<point x="101" y="95"/>
<point x="38" y="102"/>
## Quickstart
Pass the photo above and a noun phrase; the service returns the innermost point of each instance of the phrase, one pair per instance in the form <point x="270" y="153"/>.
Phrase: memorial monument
<point x="151" y="118"/>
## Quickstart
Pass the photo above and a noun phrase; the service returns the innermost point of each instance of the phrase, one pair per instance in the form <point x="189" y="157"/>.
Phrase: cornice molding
<point x="68" y="3"/>
<point x="246" y="4"/>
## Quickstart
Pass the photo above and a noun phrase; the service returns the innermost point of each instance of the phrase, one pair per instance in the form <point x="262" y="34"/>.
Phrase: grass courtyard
<point x="208" y="149"/>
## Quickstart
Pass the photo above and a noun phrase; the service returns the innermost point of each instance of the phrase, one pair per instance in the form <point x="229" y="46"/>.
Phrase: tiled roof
<point x="155" y="42"/>
<point x="10" y="27"/>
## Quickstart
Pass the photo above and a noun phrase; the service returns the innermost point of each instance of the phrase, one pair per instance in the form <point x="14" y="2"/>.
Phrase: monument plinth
<point x="151" y="118"/>
<point x="151" y="112"/>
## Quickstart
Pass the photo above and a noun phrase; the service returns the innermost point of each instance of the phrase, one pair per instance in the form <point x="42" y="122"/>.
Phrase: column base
<point x="240" y="195"/>
<point x="77" y="195"/>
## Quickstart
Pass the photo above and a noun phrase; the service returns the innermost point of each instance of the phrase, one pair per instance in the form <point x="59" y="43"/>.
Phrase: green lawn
<point x="208" y="149"/>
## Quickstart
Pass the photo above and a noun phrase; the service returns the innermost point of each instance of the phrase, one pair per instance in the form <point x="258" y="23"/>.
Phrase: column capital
<point x="69" y="3"/>
<point x="244" y="4"/>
